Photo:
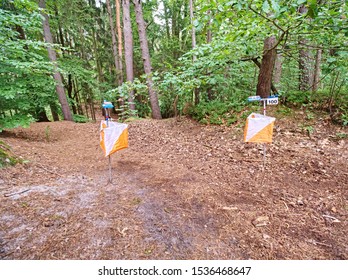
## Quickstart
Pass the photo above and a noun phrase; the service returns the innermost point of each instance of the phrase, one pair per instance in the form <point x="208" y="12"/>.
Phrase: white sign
<point x="272" y="101"/>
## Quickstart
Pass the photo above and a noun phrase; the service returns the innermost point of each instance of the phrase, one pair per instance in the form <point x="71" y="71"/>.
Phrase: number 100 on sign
<point x="272" y="101"/>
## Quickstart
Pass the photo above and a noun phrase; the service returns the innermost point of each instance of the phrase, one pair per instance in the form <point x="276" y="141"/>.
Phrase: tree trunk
<point x="258" y="64"/>
<point x="97" y="57"/>
<point x="166" y="19"/>
<point x="305" y="60"/>
<point x="70" y="89"/>
<point x="278" y="69"/>
<point x="114" y="43"/>
<point x="41" y="115"/>
<point x="316" y="78"/>
<point x="119" y="35"/>
<point x="265" y="75"/>
<point x="77" y="98"/>
<point x="305" y="66"/>
<point x="53" y="58"/>
<point x="209" y="39"/>
<point x="54" y="113"/>
<point x="128" y="49"/>
<point x="95" y="40"/>
<point x="60" y="31"/>
<point x="196" y="91"/>
<point x="193" y="28"/>
<point x="156" y="112"/>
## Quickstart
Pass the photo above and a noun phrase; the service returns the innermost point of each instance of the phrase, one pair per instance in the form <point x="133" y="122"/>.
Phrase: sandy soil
<point x="180" y="191"/>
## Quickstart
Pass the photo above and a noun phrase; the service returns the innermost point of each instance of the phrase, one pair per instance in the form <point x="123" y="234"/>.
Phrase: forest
<point x="179" y="73"/>
<point x="166" y="58"/>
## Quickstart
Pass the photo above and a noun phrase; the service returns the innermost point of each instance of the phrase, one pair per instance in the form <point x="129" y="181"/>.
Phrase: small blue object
<point x="254" y="98"/>
<point x="107" y="105"/>
<point x="274" y="96"/>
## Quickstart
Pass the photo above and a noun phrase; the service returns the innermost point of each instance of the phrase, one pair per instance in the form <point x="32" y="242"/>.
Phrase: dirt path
<point x="180" y="191"/>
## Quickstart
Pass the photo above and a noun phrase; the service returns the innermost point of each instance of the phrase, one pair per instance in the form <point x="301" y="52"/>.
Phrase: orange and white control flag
<point x="113" y="137"/>
<point x="258" y="129"/>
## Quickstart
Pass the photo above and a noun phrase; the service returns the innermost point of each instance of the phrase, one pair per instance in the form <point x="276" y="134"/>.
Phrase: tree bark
<point x="60" y="31"/>
<point x="128" y="49"/>
<point x="53" y="58"/>
<point x="114" y="43"/>
<point x="258" y="64"/>
<point x="316" y="78"/>
<point x="95" y="40"/>
<point x="97" y="57"/>
<point x="70" y="89"/>
<point x="156" y="112"/>
<point x="265" y="75"/>
<point x="305" y="60"/>
<point x="305" y="66"/>
<point x="278" y="69"/>
<point x="119" y="35"/>
<point x="166" y="19"/>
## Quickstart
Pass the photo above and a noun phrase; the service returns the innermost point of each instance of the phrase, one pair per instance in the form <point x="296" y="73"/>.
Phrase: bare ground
<point x="180" y="191"/>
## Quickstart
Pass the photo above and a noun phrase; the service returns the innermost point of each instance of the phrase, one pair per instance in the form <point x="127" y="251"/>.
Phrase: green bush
<point x="297" y="98"/>
<point x="80" y="118"/>
<point x="6" y="157"/>
<point x="216" y="112"/>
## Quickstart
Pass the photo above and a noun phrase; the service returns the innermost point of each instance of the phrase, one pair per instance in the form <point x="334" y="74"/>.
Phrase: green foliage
<point x="26" y="86"/>
<point x="307" y="129"/>
<point x="344" y="118"/>
<point x="80" y="118"/>
<point x="341" y="135"/>
<point x="6" y="155"/>
<point x="216" y="112"/>
<point x="297" y="97"/>
<point x="14" y="121"/>
<point x="121" y="94"/>
<point x="283" y="111"/>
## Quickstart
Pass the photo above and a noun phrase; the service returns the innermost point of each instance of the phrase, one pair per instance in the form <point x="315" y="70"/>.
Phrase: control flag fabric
<point x="258" y="128"/>
<point x="113" y="137"/>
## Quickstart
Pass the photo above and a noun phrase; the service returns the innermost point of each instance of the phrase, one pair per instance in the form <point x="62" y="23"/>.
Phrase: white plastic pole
<point x="107" y="125"/>
<point x="110" y="175"/>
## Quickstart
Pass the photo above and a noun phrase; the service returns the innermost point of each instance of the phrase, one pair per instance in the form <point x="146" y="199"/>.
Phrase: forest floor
<point x="180" y="191"/>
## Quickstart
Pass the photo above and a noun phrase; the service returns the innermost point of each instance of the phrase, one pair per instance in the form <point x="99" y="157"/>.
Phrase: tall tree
<point x="209" y="40"/>
<point x="316" y="78"/>
<point x="156" y="112"/>
<point x="128" y="48"/>
<point x="114" y="43"/>
<point x="119" y="37"/>
<point x="194" y="58"/>
<point x="305" y="59"/>
<point x="53" y="58"/>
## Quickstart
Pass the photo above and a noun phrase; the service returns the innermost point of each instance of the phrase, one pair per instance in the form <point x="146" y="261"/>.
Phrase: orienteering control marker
<point x="113" y="135"/>
<point x="271" y="100"/>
